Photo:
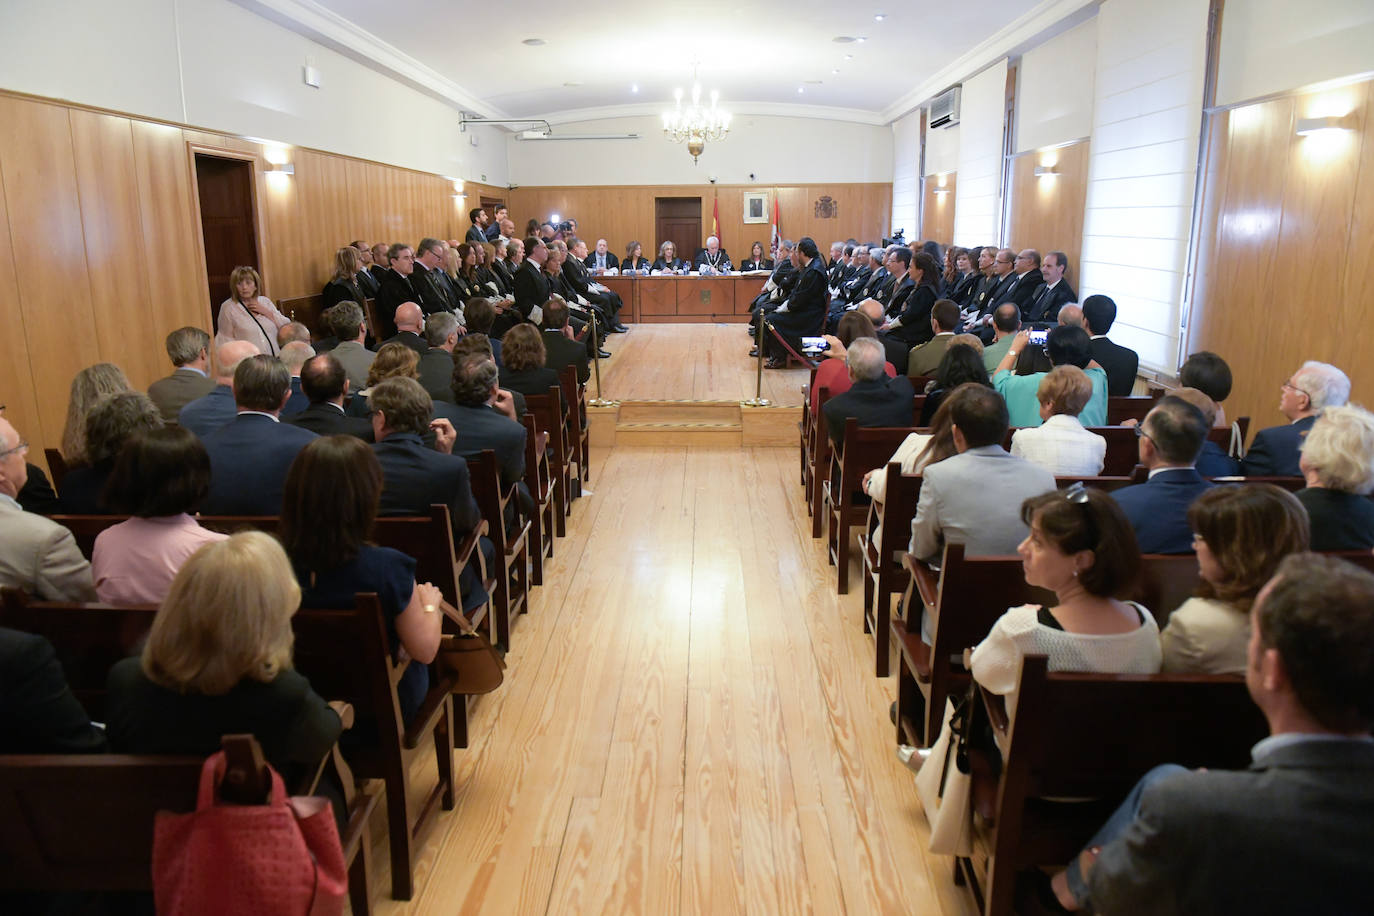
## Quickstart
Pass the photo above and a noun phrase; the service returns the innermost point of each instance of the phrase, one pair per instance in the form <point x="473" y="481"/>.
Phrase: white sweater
<point x="1018" y="633"/>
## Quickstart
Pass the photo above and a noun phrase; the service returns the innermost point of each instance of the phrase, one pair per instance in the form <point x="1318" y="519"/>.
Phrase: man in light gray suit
<point x="1293" y="833"/>
<point x="37" y="555"/>
<point x="975" y="497"/>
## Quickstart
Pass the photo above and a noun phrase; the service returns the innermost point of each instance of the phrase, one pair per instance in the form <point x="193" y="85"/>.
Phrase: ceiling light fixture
<point x="849" y="57"/>
<point x="880" y="17"/>
<point x="861" y="39"/>
<point x="696" y="123"/>
<point x="533" y="42"/>
<point x="834" y="72"/>
<point x="634" y="87"/>
<point x="1310" y="126"/>
<point x="842" y="39"/>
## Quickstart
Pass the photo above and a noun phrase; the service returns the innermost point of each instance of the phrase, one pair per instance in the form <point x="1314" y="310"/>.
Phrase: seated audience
<point x="482" y="314"/>
<point x="90" y="386"/>
<point x="1080" y="547"/>
<point x="917" y="451"/>
<point x="410" y="328"/>
<point x="667" y="261"/>
<point x="1169" y="439"/>
<point x="37" y="555"/>
<point x="208" y="413"/>
<point x="962" y="281"/>
<point x="833" y="373"/>
<point x="560" y="348"/>
<point x="1022" y="280"/>
<point x="602" y="260"/>
<point x="486" y="418"/>
<point x="111" y="423"/>
<point x="1061" y="445"/>
<point x="1310" y="390"/>
<point x="436" y="362"/>
<point x="160" y="478"/>
<point x="393" y="360"/>
<point x="1338" y="463"/>
<point x="38" y="713"/>
<point x="1065" y="346"/>
<point x="524" y="370"/>
<point x="1212" y="461"/>
<point x="912" y="303"/>
<point x="1241" y="535"/>
<point x="1006" y="321"/>
<point x="325" y="383"/>
<point x="397" y="286"/>
<point x="381" y="263"/>
<point x="634" y="262"/>
<point x="1209" y="374"/>
<point x="189" y="350"/>
<point x="247" y="314"/>
<point x="367" y="281"/>
<point x="346" y="321"/>
<point x="872" y="398"/>
<point x="803" y="312"/>
<point x="1071" y="316"/>
<point x="925" y="359"/>
<point x="292" y="332"/>
<point x="758" y="259"/>
<point x="37" y="494"/>
<point x="294" y="355"/>
<point x="218" y="662"/>
<point x="1288" y="834"/>
<point x="960" y="364"/>
<point x="249" y="457"/>
<point x="975" y="496"/>
<point x="1120" y="363"/>
<point x="346" y="285"/>
<point x="332" y="496"/>
<point x="1054" y="292"/>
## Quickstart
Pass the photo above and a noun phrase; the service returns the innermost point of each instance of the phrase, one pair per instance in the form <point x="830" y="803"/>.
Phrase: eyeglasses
<point x="1140" y="432"/>
<point x="21" y="447"/>
<point x="1291" y="387"/>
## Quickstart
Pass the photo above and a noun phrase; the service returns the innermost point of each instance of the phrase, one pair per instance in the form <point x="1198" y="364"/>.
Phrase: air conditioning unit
<point x="944" y="108"/>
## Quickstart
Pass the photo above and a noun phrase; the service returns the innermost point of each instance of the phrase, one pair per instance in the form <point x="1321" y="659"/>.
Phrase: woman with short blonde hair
<point x="1337" y="461"/>
<point x="1061" y="444"/>
<point x="394" y="360"/>
<point x="247" y="314"/>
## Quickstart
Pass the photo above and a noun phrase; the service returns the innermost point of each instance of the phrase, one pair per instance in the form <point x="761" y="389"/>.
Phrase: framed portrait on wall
<point x="756" y="207"/>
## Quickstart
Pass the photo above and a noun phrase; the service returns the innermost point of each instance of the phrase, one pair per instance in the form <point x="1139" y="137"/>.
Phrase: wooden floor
<point x="689" y="722"/>
<point x="702" y="362"/>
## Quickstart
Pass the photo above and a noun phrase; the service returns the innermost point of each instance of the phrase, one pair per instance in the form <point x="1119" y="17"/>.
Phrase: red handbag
<point x="278" y="859"/>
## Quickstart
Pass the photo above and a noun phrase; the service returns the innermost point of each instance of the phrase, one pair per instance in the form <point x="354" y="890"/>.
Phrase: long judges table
<point x="690" y="298"/>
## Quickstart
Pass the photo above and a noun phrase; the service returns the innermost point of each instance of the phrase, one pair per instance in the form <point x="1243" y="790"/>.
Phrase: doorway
<point x="227" y="222"/>
<point x="677" y="220"/>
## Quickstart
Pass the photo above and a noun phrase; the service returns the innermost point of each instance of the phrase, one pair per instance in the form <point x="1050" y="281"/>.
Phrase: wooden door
<point x="678" y="219"/>
<point x="227" y="224"/>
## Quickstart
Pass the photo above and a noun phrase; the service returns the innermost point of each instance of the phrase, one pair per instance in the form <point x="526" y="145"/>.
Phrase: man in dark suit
<point x="366" y="278"/>
<point x="894" y="290"/>
<point x="189" y="350"/>
<point x="996" y="267"/>
<point x="414" y="477"/>
<point x="38" y="714"/>
<point x="425" y="278"/>
<point x="1309" y="391"/>
<point x="1025" y="279"/>
<point x="804" y="311"/>
<point x="249" y="457"/>
<point x="208" y="413"/>
<point x="531" y="288"/>
<point x="559" y="349"/>
<point x="896" y="350"/>
<point x="1170" y="438"/>
<point x="779" y="284"/>
<point x="486" y="420"/>
<point x="436" y="363"/>
<point x="712" y="259"/>
<point x="477" y="232"/>
<point x="860" y="270"/>
<point x="410" y="325"/>
<point x="1120" y="363"/>
<point x="1054" y="292"/>
<point x="293" y="355"/>
<point x="601" y="260"/>
<point x="873" y="399"/>
<point x="396" y="288"/>
<point x="493" y="231"/>
<point x="607" y="302"/>
<point x="326" y="385"/>
<point x="381" y="263"/>
<point x="1291" y="833"/>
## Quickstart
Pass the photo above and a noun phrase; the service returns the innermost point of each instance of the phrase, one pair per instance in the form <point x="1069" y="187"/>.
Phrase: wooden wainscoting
<point x="937" y="212"/>
<point x="1283" y="268"/>
<point x="1047" y="213"/>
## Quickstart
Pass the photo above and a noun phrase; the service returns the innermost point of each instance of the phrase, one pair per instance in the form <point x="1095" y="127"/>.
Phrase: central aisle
<point x="689" y="722"/>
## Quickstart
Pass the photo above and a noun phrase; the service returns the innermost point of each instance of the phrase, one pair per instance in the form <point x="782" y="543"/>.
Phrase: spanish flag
<point x="715" y="216"/>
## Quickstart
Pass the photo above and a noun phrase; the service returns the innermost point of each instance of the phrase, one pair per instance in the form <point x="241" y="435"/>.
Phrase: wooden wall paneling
<point x="18" y="381"/>
<point x="1047" y="213"/>
<point x="360" y="201"/>
<point x="54" y="288"/>
<point x="937" y="210"/>
<point x="103" y="147"/>
<point x="1350" y="312"/>
<point x="170" y="237"/>
<point x="285" y="248"/>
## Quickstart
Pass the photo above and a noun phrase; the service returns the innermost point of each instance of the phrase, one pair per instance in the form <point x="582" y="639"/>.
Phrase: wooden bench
<point x="551" y="417"/>
<point x="579" y="439"/>
<point x="1130" y="407"/>
<point x="808" y="420"/>
<point x="84" y="822"/>
<point x="539" y="481"/>
<point x="512" y="573"/>
<point x="1093" y="736"/>
<point x="880" y="546"/>
<point x="57" y="467"/>
<point x="865" y="448"/>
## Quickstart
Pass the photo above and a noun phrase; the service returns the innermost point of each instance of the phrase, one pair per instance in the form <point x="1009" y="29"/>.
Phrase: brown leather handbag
<point x="468" y="658"/>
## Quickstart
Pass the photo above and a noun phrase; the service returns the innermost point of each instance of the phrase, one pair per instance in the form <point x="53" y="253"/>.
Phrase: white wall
<point x="1272" y="46"/>
<point x="1054" y="100"/>
<point x="942" y="149"/>
<point x="978" y="192"/>
<point x="171" y="60"/>
<point x="776" y="150"/>
<point x="906" y="168"/>
<point x="1147" y="117"/>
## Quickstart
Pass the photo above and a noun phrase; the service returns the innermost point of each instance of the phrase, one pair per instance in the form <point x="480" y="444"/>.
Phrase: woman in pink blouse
<point x="249" y="315"/>
<point x="159" y="478"/>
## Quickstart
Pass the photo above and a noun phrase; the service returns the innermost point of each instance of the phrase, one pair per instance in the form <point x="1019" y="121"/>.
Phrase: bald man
<point x="410" y="328"/>
<point x="1071" y="316"/>
<point x="206" y="414"/>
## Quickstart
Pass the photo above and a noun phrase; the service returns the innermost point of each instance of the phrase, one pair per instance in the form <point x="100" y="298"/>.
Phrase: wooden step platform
<point x="709" y="424"/>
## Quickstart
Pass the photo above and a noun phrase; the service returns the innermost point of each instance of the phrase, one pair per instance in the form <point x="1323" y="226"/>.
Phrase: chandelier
<point x="696" y="123"/>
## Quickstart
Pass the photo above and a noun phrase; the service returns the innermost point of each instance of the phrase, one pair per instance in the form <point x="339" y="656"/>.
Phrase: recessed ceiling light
<point x="842" y="39"/>
<point x="812" y="82"/>
<point x="634" y="88"/>
<point x="849" y="57"/>
<point x="572" y="85"/>
<point x="800" y="90"/>
<point x="533" y="42"/>
<point x="880" y="17"/>
<point x="861" y="39"/>
<point x="833" y="72"/>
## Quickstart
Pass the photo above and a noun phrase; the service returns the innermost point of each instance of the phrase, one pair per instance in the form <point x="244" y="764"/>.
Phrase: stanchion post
<point x="597" y="401"/>
<point x="758" y="400"/>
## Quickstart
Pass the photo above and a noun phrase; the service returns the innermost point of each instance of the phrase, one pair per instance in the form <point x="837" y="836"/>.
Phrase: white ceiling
<point x="757" y="54"/>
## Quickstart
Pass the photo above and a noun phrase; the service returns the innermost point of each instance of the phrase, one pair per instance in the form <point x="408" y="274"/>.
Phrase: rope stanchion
<point x="758" y="400"/>
<point x="597" y="401"/>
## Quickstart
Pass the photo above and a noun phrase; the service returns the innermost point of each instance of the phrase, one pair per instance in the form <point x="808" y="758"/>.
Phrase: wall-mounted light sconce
<point x="1046" y="171"/>
<point x="281" y="168"/>
<point x="941" y="191"/>
<point x="1309" y="126"/>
